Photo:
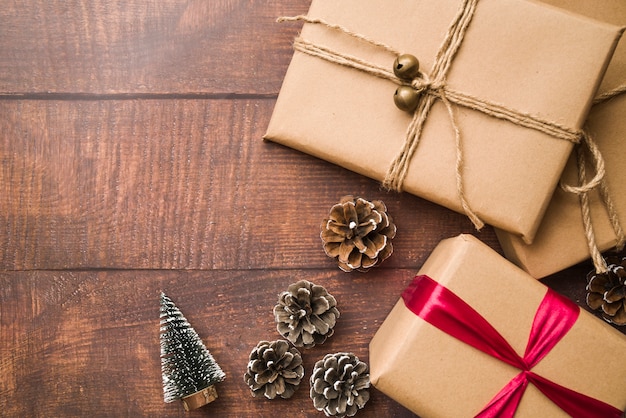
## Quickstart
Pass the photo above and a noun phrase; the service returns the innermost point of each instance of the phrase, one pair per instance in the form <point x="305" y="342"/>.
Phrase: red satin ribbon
<point x="555" y="316"/>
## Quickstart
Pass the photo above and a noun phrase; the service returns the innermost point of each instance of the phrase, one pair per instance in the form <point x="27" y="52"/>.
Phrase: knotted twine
<point x="599" y="182"/>
<point x="432" y="87"/>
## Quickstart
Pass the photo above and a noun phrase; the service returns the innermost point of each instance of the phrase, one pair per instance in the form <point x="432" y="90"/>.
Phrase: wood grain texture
<point x="157" y="46"/>
<point x="131" y="162"/>
<point x="78" y="350"/>
<point x="85" y="343"/>
<point x="177" y="184"/>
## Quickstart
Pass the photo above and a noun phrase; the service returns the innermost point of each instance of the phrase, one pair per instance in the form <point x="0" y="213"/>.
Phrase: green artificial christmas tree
<point x="189" y="370"/>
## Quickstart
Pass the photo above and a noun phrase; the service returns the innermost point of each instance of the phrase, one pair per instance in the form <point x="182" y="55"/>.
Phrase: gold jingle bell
<point x="406" y="67"/>
<point x="406" y="98"/>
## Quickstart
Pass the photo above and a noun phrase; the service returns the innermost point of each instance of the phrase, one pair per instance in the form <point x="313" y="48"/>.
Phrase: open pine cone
<point x="358" y="233"/>
<point x="339" y="385"/>
<point x="306" y="314"/>
<point x="607" y="291"/>
<point x="275" y="369"/>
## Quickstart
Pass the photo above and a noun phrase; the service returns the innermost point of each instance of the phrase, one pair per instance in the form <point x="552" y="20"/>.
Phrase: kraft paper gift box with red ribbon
<point x="503" y="90"/>
<point x="562" y="239"/>
<point x="474" y="335"/>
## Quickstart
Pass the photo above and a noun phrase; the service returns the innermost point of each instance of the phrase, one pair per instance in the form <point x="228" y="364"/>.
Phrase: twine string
<point x="453" y="39"/>
<point x="459" y="167"/>
<point x="432" y="87"/>
<point x="598" y="181"/>
<point x="612" y="211"/>
<point x="604" y="189"/>
<point x="599" y="168"/>
<point x="429" y="87"/>
<point x="339" y="28"/>
<point x="399" y="167"/>
<point x="610" y="94"/>
<point x="346" y="60"/>
<point x="583" y="196"/>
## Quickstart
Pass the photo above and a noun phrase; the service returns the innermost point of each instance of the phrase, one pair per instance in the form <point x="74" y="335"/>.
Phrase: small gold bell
<point x="406" y="98"/>
<point x="406" y="67"/>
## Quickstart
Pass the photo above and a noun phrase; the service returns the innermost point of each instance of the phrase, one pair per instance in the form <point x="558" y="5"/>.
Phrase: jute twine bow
<point x="432" y="87"/>
<point x="597" y="182"/>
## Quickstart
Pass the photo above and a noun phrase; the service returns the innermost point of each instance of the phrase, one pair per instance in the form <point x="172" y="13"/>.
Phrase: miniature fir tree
<point x="189" y="370"/>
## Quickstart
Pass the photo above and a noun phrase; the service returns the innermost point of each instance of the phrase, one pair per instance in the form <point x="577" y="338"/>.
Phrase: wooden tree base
<point x="200" y="398"/>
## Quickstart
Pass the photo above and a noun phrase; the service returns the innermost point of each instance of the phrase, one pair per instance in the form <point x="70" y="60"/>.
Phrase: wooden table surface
<point x="132" y="163"/>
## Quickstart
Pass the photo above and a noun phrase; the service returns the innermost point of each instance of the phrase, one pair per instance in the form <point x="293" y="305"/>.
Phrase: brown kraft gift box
<point x="436" y="375"/>
<point x="522" y="55"/>
<point x="560" y="241"/>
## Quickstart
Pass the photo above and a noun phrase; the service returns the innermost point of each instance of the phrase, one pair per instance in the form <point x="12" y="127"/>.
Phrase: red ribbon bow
<point x="555" y="316"/>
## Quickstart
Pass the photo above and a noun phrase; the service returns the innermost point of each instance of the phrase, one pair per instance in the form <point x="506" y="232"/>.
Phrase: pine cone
<point x="358" y="233"/>
<point x="607" y="291"/>
<point x="339" y="385"/>
<point x="275" y="369"/>
<point x="306" y="314"/>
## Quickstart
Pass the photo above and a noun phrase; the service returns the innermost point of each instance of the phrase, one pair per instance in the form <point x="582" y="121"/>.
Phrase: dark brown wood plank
<point x="190" y="184"/>
<point x="87" y="344"/>
<point x="155" y="46"/>
<point x="130" y="141"/>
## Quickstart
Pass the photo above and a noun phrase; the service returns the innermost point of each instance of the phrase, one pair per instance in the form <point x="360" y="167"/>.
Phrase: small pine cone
<point x="607" y="291"/>
<point x="339" y="385"/>
<point x="275" y="369"/>
<point x="358" y="233"/>
<point x="306" y="314"/>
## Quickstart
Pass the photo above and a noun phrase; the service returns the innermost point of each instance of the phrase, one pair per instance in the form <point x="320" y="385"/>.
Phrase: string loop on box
<point x="431" y="87"/>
